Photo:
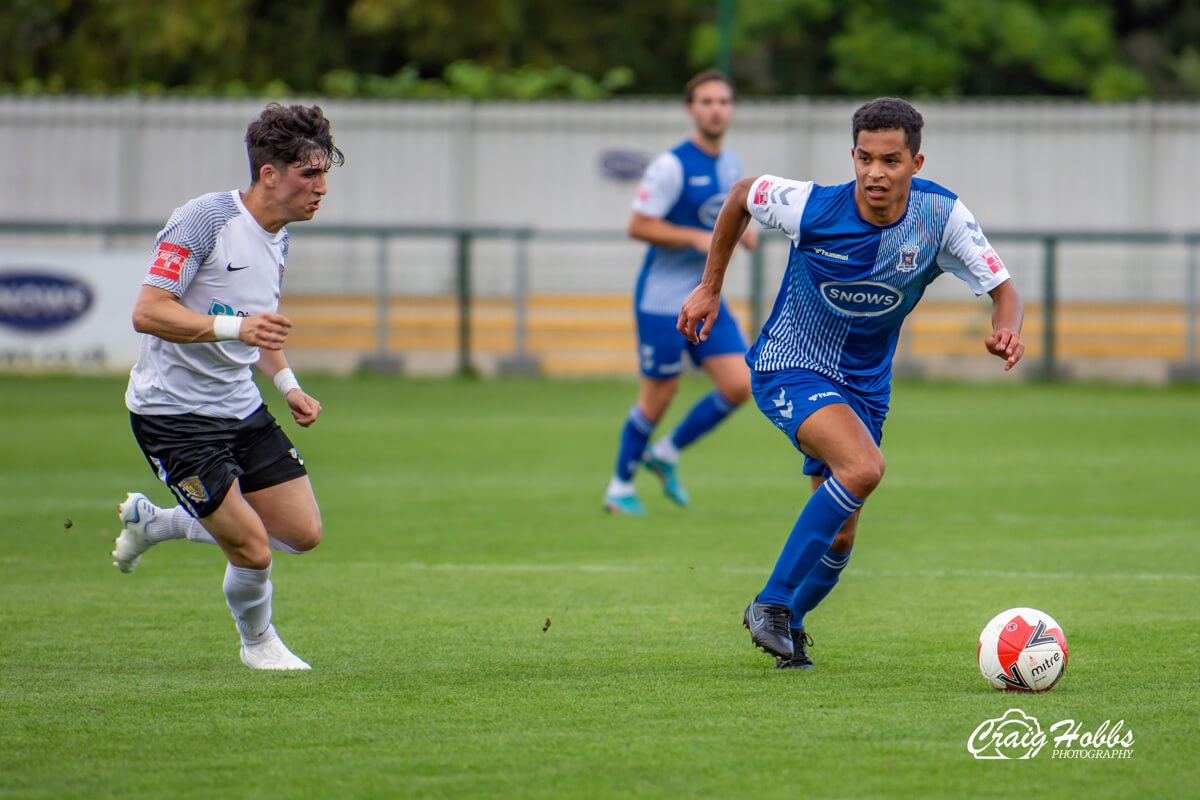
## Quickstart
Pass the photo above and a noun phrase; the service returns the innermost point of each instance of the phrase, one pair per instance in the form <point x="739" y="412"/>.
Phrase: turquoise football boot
<point x="627" y="504"/>
<point x="669" y="476"/>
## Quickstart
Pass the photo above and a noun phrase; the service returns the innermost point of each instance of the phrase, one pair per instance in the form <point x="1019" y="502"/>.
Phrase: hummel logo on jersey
<point x="779" y="195"/>
<point x="812" y="398"/>
<point x="819" y="251"/>
<point x="974" y="226"/>
<point x="786" y="413"/>
<point x="232" y="268"/>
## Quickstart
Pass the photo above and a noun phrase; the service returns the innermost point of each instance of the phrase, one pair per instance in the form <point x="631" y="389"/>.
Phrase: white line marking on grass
<point x="870" y="573"/>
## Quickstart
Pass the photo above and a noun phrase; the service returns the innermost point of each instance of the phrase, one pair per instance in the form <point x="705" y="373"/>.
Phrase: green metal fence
<point x="464" y="239"/>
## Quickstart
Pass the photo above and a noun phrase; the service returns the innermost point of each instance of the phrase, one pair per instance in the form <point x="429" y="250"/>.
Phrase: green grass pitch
<point x="460" y="516"/>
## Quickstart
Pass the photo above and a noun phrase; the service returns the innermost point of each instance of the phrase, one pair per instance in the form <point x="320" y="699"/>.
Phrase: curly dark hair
<point x="286" y="135"/>
<point x="888" y="113"/>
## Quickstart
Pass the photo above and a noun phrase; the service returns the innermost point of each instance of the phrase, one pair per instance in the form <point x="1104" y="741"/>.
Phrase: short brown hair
<point x="689" y="89"/>
<point x="282" y="136"/>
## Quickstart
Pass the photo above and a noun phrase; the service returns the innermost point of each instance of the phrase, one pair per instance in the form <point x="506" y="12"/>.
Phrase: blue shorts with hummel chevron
<point x="790" y="396"/>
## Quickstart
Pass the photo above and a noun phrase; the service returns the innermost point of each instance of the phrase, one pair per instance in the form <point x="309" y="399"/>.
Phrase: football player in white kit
<point x="208" y="312"/>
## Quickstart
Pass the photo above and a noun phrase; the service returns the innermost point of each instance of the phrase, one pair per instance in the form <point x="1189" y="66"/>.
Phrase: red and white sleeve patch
<point x="168" y="261"/>
<point x="992" y="260"/>
<point x="761" y="190"/>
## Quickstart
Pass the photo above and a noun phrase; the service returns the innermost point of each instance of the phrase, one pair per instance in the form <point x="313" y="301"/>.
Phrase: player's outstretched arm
<point x="1007" y="314"/>
<point x="661" y="233"/>
<point x="159" y="313"/>
<point x="699" y="310"/>
<point x="304" y="407"/>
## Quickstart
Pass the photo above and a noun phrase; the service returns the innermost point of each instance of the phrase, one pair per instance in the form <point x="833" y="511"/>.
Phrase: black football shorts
<point x="199" y="458"/>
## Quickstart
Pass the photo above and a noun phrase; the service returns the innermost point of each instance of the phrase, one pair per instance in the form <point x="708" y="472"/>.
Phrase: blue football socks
<point x="818" y="583"/>
<point x="820" y="520"/>
<point x="704" y="416"/>
<point x="634" y="436"/>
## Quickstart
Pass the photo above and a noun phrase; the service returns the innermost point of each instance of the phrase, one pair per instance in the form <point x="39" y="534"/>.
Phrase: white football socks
<point x="619" y="488"/>
<point x="248" y="593"/>
<point x="177" y="523"/>
<point x="665" y="450"/>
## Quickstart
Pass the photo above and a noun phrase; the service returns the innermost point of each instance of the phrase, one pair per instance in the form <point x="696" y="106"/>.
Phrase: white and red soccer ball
<point x="1022" y="650"/>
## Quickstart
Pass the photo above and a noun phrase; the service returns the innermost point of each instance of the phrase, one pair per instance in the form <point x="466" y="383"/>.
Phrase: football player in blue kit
<point x="674" y="212"/>
<point x="862" y="254"/>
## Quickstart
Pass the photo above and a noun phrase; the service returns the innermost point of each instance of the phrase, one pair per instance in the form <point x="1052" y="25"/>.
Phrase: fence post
<point x="382" y="360"/>
<point x="463" y="275"/>
<point x="520" y="362"/>
<point x="1189" y="370"/>
<point x="756" y="288"/>
<point x="1049" y="301"/>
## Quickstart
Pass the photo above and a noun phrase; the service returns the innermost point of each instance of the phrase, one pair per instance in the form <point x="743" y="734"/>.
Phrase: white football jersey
<point x="215" y="257"/>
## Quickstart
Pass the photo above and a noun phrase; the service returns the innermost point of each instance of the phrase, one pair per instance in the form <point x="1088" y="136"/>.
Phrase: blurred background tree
<point x="542" y="48"/>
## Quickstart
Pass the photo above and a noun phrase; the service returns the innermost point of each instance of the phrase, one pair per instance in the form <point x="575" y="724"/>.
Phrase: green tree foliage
<point x="525" y="49"/>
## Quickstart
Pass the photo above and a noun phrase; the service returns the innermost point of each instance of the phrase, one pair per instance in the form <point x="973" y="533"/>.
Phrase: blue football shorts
<point x="661" y="346"/>
<point x="790" y="396"/>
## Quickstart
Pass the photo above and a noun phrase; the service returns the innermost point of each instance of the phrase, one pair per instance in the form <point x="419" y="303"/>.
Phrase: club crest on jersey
<point x="908" y="258"/>
<point x="861" y="298"/>
<point x="193" y="487"/>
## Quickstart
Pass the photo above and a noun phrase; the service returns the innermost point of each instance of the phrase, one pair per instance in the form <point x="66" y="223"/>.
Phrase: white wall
<point x="1017" y="165"/>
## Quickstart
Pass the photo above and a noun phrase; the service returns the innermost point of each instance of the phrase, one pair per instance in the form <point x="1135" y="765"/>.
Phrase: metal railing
<point x="465" y="237"/>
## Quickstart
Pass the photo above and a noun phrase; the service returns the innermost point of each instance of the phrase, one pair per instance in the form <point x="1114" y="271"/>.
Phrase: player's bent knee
<point x="310" y="539"/>
<point x="861" y="477"/>
<point x="736" y="395"/>
<point x="251" y="556"/>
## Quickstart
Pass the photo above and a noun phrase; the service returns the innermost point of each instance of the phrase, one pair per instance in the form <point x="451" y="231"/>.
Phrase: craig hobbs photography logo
<point x="1017" y="735"/>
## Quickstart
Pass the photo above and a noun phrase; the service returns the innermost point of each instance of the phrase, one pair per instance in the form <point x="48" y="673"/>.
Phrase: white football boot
<point x="271" y="653"/>
<point x="136" y="513"/>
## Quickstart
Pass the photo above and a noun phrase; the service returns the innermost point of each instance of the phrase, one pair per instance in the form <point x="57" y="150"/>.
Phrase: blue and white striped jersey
<point x="850" y="283"/>
<point x="215" y="257"/>
<point x="685" y="186"/>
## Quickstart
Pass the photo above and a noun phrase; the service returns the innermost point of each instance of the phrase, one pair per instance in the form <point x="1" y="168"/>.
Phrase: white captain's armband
<point x="285" y="381"/>
<point x="226" y="327"/>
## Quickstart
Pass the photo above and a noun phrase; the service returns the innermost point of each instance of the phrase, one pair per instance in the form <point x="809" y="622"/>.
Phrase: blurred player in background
<point x="674" y="212"/>
<point x="862" y="255"/>
<point x="208" y="312"/>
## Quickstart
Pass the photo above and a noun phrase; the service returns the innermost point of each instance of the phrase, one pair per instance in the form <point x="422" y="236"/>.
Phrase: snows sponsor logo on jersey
<point x="861" y="298"/>
<point x="168" y="261"/>
<point x="711" y="208"/>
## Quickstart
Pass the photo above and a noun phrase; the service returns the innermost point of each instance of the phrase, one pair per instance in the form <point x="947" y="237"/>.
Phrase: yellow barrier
<point x="594" y="334"/>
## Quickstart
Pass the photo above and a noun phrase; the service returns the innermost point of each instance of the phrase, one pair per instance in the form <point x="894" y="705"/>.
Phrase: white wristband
<point x="285" y="381"/>
<point x="227" y="327"/>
